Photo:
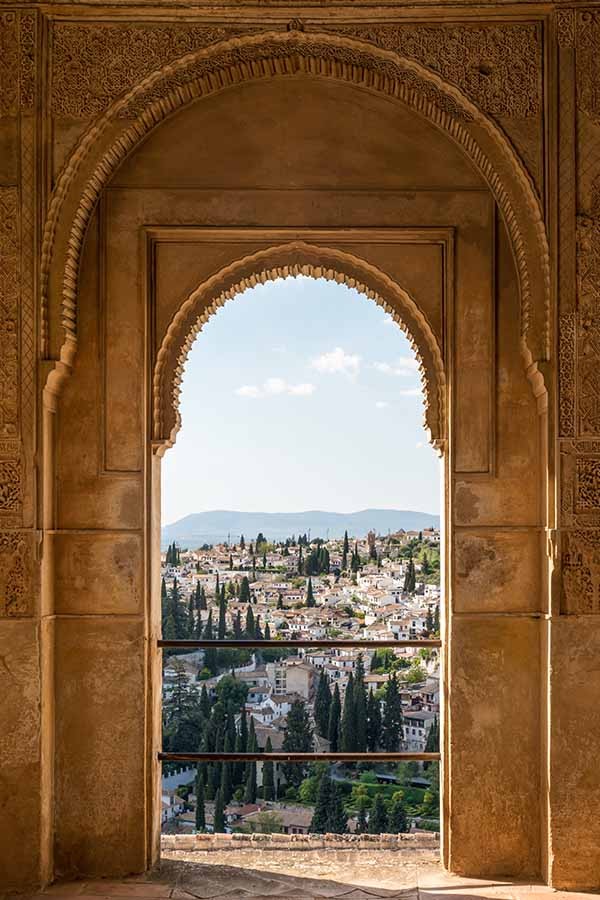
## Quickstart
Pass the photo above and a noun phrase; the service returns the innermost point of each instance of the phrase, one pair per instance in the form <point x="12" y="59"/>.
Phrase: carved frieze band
<point x="497" y="66"/>
<point x="18" y="42"/>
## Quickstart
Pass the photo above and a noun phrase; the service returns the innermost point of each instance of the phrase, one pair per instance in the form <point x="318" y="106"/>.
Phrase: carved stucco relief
<point x="18" y="41"/>
<point x="581" y="572"/>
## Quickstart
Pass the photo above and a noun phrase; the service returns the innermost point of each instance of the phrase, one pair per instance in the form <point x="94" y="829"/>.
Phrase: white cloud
<point x="248" y="390"/>
<point x="301" y="390"/>
<point x="337" y="361"/>
<point x="381" y="404"/>
<point x="273" y="387"/>
<point x="405" y="366"/>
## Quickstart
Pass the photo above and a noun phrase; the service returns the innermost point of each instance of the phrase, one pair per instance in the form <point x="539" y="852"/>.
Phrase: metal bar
<point x="354" y="642"/>
<point x="400" y="756"/>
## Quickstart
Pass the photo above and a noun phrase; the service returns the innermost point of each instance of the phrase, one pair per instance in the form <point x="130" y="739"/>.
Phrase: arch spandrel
<point x="289" y="260"/>
<point x="280" y="54"/>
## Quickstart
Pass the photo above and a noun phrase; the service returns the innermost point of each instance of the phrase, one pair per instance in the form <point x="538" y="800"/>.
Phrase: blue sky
<point x="300" y="394"/>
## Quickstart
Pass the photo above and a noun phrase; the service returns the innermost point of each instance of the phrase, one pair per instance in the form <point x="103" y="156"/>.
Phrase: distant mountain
<point x="214" y="527"/>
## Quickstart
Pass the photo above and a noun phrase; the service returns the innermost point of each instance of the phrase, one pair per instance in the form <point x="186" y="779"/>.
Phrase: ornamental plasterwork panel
<point x="16" y="566"/>
<point x="580" y="572"/>
<point x="94" y="64"/>
<point x="588" y="327"/>
<point x="580" y="484"/>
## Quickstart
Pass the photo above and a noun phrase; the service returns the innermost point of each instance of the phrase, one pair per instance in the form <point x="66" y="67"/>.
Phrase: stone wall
<point x="113" y="135"/>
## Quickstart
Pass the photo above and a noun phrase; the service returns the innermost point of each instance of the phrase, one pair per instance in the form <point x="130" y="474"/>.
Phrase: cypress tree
<point x="163" y="596"/>
<point x="210" y="653"/>
<point x="322" y="705"/>
<point x="200" y="811"/>
<point x="436" y="620"/>
<point x="429" y="621"/>
<point x="268" y="774"/>
<point x="320" y="817"/>
<point x="245" y="590"/>
<point x="398" y="819"/>
<point x="373" y="723"/>
<point x="219" y="818"/>
<point x="300" y="561"/>
<point x="337" y="820"/>
<point x="333" y="728"/>
<point x="410" y="579"/>
<point x="310" y="598"/>
<point x="378" y="820"/>
<point x="242" y="542"/>
<point x="345" y="552"/>
<point x="258" y="635"/>
<point x="348" y="726"/>
<point x="267" y="632"/>
<point x="205" y="704"/>
<point x="250" y="626"/>
<point x="298" y="738"/>
<point x="280" y="602"/>
<point x="222" y="616"/>
<point x="237" y="626"/>
<point x="250" y="787"/>
<point x="391" y="730"/>
<point x="226" y="780"/>
<point x="230" y="562"/>
<point x="360" y="707"/>
<point x="217" y="589"/>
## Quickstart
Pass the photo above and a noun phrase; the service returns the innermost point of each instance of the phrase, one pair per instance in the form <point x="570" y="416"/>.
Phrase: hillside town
<point x="261" y="698"/>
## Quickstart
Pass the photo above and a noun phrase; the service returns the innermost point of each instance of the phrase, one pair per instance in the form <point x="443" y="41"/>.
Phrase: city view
<point x="372" y="575"/>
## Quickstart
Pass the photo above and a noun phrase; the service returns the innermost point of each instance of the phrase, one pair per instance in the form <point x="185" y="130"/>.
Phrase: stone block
<point x="98" y="573"/>
<point x="497" y="571"/>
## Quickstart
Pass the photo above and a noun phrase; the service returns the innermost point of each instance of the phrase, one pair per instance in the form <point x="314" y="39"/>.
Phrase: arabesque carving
<point x="9" y="64"/>
<point x="581" y="572"/>
<point x="588" y="333"/>
<point x="566" y="374"/>
<point x="291" y="53"/>
<point x="93" y="64"/>
<point x="588" y="50"/>
<point x="496" y="66"/>
<point x="580" y="484"/>
<point x="290" y="259"/>
<point x="9" y="312"/>
<point x="15" y="573"/>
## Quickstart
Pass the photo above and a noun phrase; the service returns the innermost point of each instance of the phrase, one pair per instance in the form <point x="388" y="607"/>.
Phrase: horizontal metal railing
<point x="321" y="642"/>
<point x="278" y="756"/>
<point x="281" y="756"/>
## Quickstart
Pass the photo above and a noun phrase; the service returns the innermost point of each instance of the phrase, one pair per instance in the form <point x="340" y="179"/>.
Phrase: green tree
<point x="410" y="577"/>
<point x="378" y="820"/>
<point x="250" y="625"/>
<point x="205" y="704"/>
<point x="397" y="818"/>
<point x="429" y="621"/>
<point x="222" y="616"/>
<point x="391" y="730"/>
<point x="348" y="726"/>
<point x="432" y="745"/>
<point x="298" y="738"/>
<point x="337" y="820"/>
<point x="200" y="810"/>
<point x="436" y="620"/>
<point x="210" y="653"/>
<point x="231" y="691"/>
<point x="345" y="552"/>
<point x="268" y="774"/>
<point x="373" y="722"/>
<point x="320" y="817"/>
<point x="245" y="596"/>
<point x="333" y="728"/>
<point x="360" y="707"/>
<point x="322" y="705"/>
<point x="310" y="597"/>
<point x="219" y="817"/>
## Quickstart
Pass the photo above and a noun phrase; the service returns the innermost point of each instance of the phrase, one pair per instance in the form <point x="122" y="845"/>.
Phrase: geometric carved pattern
<point x="10" y="485"/>
<point x="588" y="329"/>
<point x="15" y="573"/>
<point x="588" y="52"/>
<point x="9" y="98"/>
<point x="94" y="64"/>
<point x="580" y="484"/>
<point x="9" y="312"/>
<point x="497" y="66"/>
<point x="580" y="573"/>
<point x="566" y="374"/>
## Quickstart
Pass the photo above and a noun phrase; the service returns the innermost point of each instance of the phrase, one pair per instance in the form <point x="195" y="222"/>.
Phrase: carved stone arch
<point x="278" y="54"/>
<point x="285" y="260"/>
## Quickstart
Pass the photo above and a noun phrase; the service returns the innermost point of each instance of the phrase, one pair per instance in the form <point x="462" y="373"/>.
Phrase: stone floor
<point x="258" y="875"/>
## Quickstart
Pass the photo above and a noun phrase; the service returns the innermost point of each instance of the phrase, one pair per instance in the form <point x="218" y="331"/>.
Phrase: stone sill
<point x="213" y="842"/>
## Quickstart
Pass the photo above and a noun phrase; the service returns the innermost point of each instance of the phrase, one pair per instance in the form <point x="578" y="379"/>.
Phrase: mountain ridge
<point x="214" y="526"/>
